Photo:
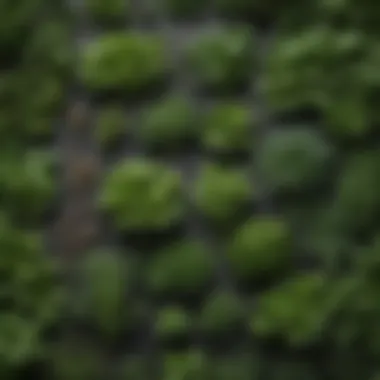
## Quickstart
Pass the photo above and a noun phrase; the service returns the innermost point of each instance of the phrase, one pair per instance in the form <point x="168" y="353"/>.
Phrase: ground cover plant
<point x="169" y="124"/>
<point x="128" y="63"/>
<point x="36" y="65"/>
<point x="228" y="128"/>
<point x="224" y="60"/>
<point x="222" y="194"/>
<point x="159" y="188"/>
<point x="250" y="253"/>
<point x="294" y="159"/>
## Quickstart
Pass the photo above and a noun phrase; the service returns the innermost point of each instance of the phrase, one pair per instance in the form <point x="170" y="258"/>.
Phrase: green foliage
<point x="221" y="314"/>
<point x="261" y="248"/>
<point x="357" y="200"/>
<point x="185" y="366"/>
<point x="227" y="129"/>
<point x="20" y="340"/>
<point x="27" y="185"/>
<point x="124" y="62"/>
<point x="332" y="70"/>
<point x="169" y="123"/>
<point x="48" y="93"/>
<point x="109" y="12"/>
<point x="17" y="21"/>
<point x="294" y="159"/>
<point x="173" y="323"/>
<point x="224" y="60"/>
<point x="222" y="193"/>
<point x="31" y="101"/>
<point x="295" y="72"/>
<point x="40" y="111"/>
<point x="356" y="319"/>
<point x="183" y="269"/>
<point x="29" y="286"/>
<point x="143" y="195"/>
<point x="298" y="310"/>
<point x="362" y="14"/>
<point x="50" y="48"/>
<point x="327" y="70"/>
<point x="107" y="282"/>
<point x="110" y="126"/>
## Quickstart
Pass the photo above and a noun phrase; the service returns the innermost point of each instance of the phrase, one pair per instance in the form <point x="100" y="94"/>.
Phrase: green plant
<point x="31" y="293"/>
<point x="227" y="128"/>
<point x="222" y="193"/>
<point x="27" y="185"/>
<point x="33" y="99"/>
<point x="222" y="313"/>
<point x="40" y="111"/>
<point x="185" y="366"/>
<point x="124" y="62"/>
<point x="349" y="115"/>
<point x="48" y="93"/>
<point x="309" y="69"/>
<point x="183" y="269"/>
<point x="169" y="123"/>
<point x="224" y="60"/>
<point x="143" y="195"/>
<point x="20" y="340"/>
<point x="300" y="309"/>
<point x="356" y="13"/>
<point x="107" y="282"/>
<point x="260" y="248"/>
<point x="172" y="323"/>
<point x="17" y="22"/>
<point x="50" y="48"/>
<point x="321" y="236"/>
<point x="356" y="318"/>
<point x="294" y="159"/>
<point x="357" y="200"/>
<point x="110" y="126"/>
<point x="184" y="9"/>
<point x="109" y="12"/>
<point x="352" y="112"/>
